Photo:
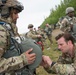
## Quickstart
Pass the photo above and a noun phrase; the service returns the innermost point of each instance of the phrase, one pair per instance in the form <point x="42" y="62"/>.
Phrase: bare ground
<point x="56" y="32"/>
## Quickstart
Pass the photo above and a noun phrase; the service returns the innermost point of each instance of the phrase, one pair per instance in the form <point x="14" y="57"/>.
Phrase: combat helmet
<point x="69" y="9"/>
<point x="30" y="26"/>
<point x="6" y="5"/>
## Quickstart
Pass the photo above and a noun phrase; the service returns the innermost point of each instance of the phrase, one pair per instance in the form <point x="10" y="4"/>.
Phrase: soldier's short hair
<point x="66" y="36"/>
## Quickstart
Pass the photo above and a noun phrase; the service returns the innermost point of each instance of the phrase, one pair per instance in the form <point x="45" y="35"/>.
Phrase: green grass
<point x="52" y="53"/>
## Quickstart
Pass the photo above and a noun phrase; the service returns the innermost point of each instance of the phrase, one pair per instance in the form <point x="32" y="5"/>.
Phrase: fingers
<point x="30" y="56"/>
<point x="29" y="51"/>
<point x="46" y="60"/>
<point x="31" y="59"/>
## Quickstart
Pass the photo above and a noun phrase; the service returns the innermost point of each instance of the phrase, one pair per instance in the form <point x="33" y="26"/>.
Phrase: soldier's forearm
<point x="12" y="63"/>
<point x="63" y="69"/>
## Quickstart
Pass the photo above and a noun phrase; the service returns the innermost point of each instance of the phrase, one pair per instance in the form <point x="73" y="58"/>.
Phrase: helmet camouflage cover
<point x="30" y="26"/>
<point x="15" y="4"/>
<point x="69" y="9"/>
<point x="5" y="6"/>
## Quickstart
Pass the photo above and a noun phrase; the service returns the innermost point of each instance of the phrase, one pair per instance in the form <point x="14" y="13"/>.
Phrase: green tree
<point x="58" y="12"/>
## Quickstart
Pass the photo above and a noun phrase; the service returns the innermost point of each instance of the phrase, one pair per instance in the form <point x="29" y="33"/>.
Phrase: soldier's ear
<point x="69" y="42"/>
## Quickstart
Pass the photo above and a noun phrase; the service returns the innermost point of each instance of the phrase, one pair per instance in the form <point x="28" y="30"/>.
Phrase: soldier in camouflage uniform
<point x="39" y="30"/>
<point x="48" y="31"/>
<point x="42" y="40"/>
<point x="69" y="20"/>
<point x="66" y="64"/>
<point x="33" y="34"/>
<point x="9" y="10"/>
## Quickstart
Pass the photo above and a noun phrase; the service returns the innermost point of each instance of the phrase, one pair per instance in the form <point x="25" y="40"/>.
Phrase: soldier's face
<point x="63" y="45"/>
<point x="14" y="15"/>
<point x="71" y="14"/>
<point x="31" y="28"/>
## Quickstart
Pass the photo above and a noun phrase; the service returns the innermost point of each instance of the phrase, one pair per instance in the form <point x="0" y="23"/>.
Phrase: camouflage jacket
<point x="12" y="63"/>
<point x="67" y="23"/>
<point x="39" y="32"/>
<point x="66" y="65"/>
<point x="48" y="30"/>
<point x="31" y="34"/>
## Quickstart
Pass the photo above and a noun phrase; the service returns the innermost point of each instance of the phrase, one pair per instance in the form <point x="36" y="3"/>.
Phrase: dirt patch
<point x="56" y="32"/>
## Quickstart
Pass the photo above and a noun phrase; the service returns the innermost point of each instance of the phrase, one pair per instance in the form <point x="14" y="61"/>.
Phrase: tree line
<point x="58" y="12"/>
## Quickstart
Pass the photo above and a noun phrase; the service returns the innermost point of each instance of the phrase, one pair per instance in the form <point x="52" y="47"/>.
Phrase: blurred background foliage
<point x="58" y="12"/>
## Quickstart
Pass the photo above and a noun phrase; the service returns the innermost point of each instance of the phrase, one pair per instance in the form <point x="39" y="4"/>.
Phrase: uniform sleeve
<point x="64" y="25"/>
<point x="10" y="63"/>
<point x="33" y="36"/>
<point x="65" y="69"/>
<point x="62" y="69"/>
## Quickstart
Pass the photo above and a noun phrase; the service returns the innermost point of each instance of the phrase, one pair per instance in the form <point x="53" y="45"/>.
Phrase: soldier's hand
<point x="46" y="61"/>
<point x="39" y="36"/>
<point x="30" y="56"/>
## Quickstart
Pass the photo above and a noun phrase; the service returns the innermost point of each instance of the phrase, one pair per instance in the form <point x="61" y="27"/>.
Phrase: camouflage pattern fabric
<point x="67" y="22"/>
<point x="48" y="31"/>
<point x="12" y="63"/>
<point x="31" y="34"/>
<point x="41" y="32"/>
<point x="66" y="65"/>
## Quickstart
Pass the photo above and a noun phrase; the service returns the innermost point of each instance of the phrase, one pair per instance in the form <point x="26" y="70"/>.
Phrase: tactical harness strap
<point x="18" y="49"/>
<point x="5" y="25"/>
<point x="73" y="29"/>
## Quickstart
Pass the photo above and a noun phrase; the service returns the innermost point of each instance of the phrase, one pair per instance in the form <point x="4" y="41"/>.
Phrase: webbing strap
<point x="12" y="37"/>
